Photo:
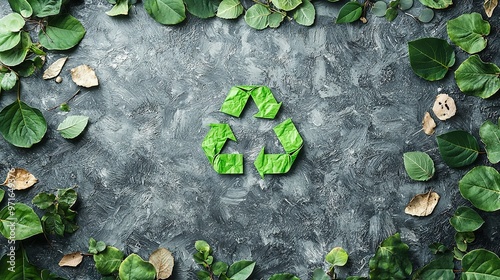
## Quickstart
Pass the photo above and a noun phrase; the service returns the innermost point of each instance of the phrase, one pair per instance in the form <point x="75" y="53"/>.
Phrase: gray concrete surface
<point x="144" y="182"/>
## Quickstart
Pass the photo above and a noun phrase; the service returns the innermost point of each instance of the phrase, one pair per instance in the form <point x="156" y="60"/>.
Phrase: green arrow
<point x="212" y="146"/>
<point x="291" y="141"/>
<point x="238" y="97"/>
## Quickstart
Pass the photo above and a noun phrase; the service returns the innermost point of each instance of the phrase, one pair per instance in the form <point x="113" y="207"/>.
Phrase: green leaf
<point x="22" y="268"/>
<point x="257" y="16"/>
<point x="44" y="8"/>
<point x="350" y="12"/>
<point x="305" y="13"/>
<point x="8" y="81"/>
<point x="119" y="9"/>
<point x="337" y="256"/>
<point x="72" y="126"/>
<point x="2" y="194"/>
<point x="67" y="196"/>
<point x="275" y="19"/>
<point x="437" y="4"/>
<point x="21" y="125"/>
<point x="418" y="165"/>
<point x="53" y="224"/>
<point x="480" y="264"/>
<point x="466" y="219"/>
<point x="458" y="148"/>
<point x="467" y="31"/>
<point x="439" y="268"/>
<point x="19" y="221"/>
<point x="405" y="4"/>
<point x="229" y="9"/>
<point x="240" y="270"/>
<point x="481" y="186"/>
<point x="462" y="240"/>
<point x="474" y="77"/>
<point x="391" y="14"/>
<point x="8" y="40"/>
<point x="431" y="58"/>
<point x="379" y="8"/>
<point x="17" y="54"/>
<point x="457" y="254"/>
<point x="286" y="5"/>
<point x="135" y="268"/>
<point x="25" y="69"/>
<point x="319" y="274"/>
<point x="437" y="248"/>
<point x="108" y="261"/>
<point x="43" y="200"/>
<point x="61" y="33"/>
<point x="356" y="278"/>
<point x="202" y="8"/>
<point x="426" y="15"/>
<point x="284" y="276"/>
<point x="203" y="275"/>
<point x="203" y="247"/>
<point x="219" y="268"/>
<point x="12" y="22"/>
<point x="166" y="11"/>
<point x="490" y="135"/>
<point x="391" y="261"/>
<point x="21" y="7"/>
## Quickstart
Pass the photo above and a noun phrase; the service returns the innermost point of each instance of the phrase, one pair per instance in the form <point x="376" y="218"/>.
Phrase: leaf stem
<point x="71" y="98"/>
<point x="18" y="89"/>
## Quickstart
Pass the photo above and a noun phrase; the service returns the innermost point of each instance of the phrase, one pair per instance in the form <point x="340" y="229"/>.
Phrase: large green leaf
<point x="286" y="5"/>
<point x="467" y="31"/>
<point x="21" y="7"/>
<point x="21" y="125"/>
<point x="20" y="269"/>
<point x="108" y="261"/>
<point x="430" y="58"/>
<point x="490" y="135"/>
<point x="480" y="264"/>
<point x="12" y="22"/>
<point x="437" y="4"/>
<point x="440" y="268"/>
<point x="16" y="55"/>
<point x="475" y="77"/>
<point x="418" y="165"/>
<point x="44" y="8"/>
<point x="257" y="16"/>
<point x="19" y="221"/>
<point x="72" y="126"/>
<point x="305" y="13"/>
<point x="166" y="11"/>
<point x="481" y="186"/>
<point x="337" y="257"/>
<point x="229" y="9"/>
<point x="284" y="276"/>
<point x="350" y="12"/>
<point x="9" y="40"/>
<point x="240" y="270"/>
<point x="275" y="19"/>
<point x="458" y="148"/>
<point x="202" y="8"/>
<point x="135" y="268"/>
<point x="466" y="219"/>
<point x="391" y="261"/>
<point x="61" y="33"/>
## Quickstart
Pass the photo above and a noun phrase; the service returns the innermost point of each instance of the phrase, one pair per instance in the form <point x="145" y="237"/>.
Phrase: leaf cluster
<point x="58" y="218"/>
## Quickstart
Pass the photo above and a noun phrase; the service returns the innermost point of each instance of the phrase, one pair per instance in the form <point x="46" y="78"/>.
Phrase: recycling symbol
<point x="268" y="107"/>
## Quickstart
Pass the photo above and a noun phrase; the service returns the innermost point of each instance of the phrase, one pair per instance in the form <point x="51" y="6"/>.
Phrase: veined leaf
<point x="275" y="19"/>
<point x="350" y="12"/>
<point x="466" y="219"/>
<point x="23" y="269"/>
<point x="467" y="31"/>
<point x="284" y="276"/>
<point x="120" y="8"/>
<point x="337" y="257"/>
<point x="9" y="40"/>
<point x="458" y="148"/>
<point x="489" y="6"/>
<point x="45" y="8"/>
<point x="430" y="58"/>
<point x="12" y="22"/>
<point x="229" y="9"/>
<point x="21" y="125"/>
<point x="8" y="81"/>
<point x="437" y="4"/>
<point x="391" y="261"/>
<point x="480" y="264"/>
<point x="319" y="274"/>
<point x="73" y="126"/>
<point x="108" y="261"/>
<point x="135" y="268"/>
<point x="481" y="186"/>
<point x="166" y="11"/>
<point x="22" y="219"/>
<point x="286" y="5"/>
<point x="61" y="33"/>
<point x="21" y="7"/>
<point x="418" y="165"/>
<point x="17" y="54"/>
<point x="240" y="270"/>
<point x="439" y="268"/>
<point x="257" y="16"/>
<point x="490" y="135"/>
<point x="305" y="13"/>
<point x="477" y="78"/>
<point x="202" y="8"/>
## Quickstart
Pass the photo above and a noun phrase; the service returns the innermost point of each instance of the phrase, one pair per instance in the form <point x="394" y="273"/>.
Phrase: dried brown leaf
<point x="72" y="260"/>
<point x="428" y="124"/>
<point x="55" y="68"/>
<point x="19" y="179"/>
<point x="422" y="204"/>
<point x="489" y="6"/>
<point x="444" y="107"/>
<point x="163" y="261"/>
<point x="84" y="76"/>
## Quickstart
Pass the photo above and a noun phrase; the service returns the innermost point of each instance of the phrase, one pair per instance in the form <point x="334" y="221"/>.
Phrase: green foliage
<point x="121" y="7"/>
<point x="109" y="260"/>
<point x="45" y="8"/>
<point x="14" y="265"/>
<point x="257" y="16"/>
<point x="96" y="247"/>
<point x="462" y="239"/>
<point x="166" y="11"/>
<point x="426" y="15"/>
<point x="305" y="13"/>
<point x="467" y="31"/>
<point x="437" y="4"/>
<point x="418" y="165"/>
<point x="229" y="9"/>
<point x="431" y="58"/>
<point x="58" y="218"/>
<point x="490" y="136"/>
<point x="458" y="148"/>
<point x="16" y="55"/>
<point x="73" y="126"/>
<point x="202" y="8"/>
<point x="439" y="268"/>
<point x="18" y="221"/>
<point x="481" y="186"/>
<point x="466" y="219"/>
<point x="319" y="274"/>
<point x="2" y="194"/>
<point x="391" y="261"/>
<point x="61" y="33"/>
<point x="240" y="270"/>
<point x="379" y="8"/>
<point x="350" y="12"/>
<point x="286" y="5"/>
<point x="21" y="7"/>
<point x="284" y="276"/>
<point x="480" y="264"/>
<point x="477" y="78"/>
<point x="135" y="268"/>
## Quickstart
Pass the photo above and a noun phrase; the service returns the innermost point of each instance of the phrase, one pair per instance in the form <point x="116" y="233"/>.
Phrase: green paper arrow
<point x="212" y="146"/>
<point x="238" y="97"/>
<point x="291" y="141"/>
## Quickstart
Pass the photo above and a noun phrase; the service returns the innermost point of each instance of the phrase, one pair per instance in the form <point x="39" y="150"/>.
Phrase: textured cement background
<point x="144" y="182"/>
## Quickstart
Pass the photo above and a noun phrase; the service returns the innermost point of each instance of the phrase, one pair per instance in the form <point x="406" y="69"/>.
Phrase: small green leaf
<point x="286" y="5"/>
<point x="481" y="186"/>
<point x="8" y="81"/>
<point x="431" y="58"/>
<point x="463" y="239"/>
<point x="12" y="22"/>
<point x="466" y="219"/>
<point x="53" y="224"/>
<point x="45" y="8"/>
<point x="257" y="16"/>
<point x="337" y="257"/>
<point x="437" y="248"/>
<point x="426" y="15"/>
<point x="21" y="125"/>
<point x="467" y="31"/>
<point x="8" y="40"/>
<point x="284" y="276"/>
<point x="457" y="254"/>
<point x="166" y="11"/>
<point x="202" y="8"/>
<point x="240" y="270"/>
<point x="43" y="200"/>
<point x="275" y="19"/>
<point x="305" y="13"/>
<point x="480" y="264"/>
<point x="135" y="268"/>
<point x="219" y="268"/>
<point x="319" y="274"/>
<point x="350" y="12"/>
<point x="439" y="268"/>
<point x="2" y="194"/>
<point x="203" y="275"/>
<point x="25" y="69"/>
<point x="391" y="14"/>
<point x="64" y="107"/>
<point x="418" y="165"/>
<point x="72" y="126"/>
<point x="229" y="9"/>
<point x="96" y="247"/>
<point x="19" y="221"/>
<point x="108" y="261"/>
<point x="61" y="33"/>
<point x="203" y="247"/>
<point x="391" y="261"/>
<point x="67" y="196"/>
<point x="490" y="135"/>
<point x="21" y="7"/>
<point x="379" y="8"/>
<point x="17" y="54"/>
<point x="119" y="9"/>
<point x="458" y="148"/>
<point x="437" y="4"/>
<point x="474" y="77"/>
<point x="405" y="4"/>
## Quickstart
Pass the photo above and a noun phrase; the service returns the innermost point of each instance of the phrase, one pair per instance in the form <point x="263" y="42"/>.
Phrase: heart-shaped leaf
<point x="134" y="268"/>
<point x="61" y="33"/>
<point x="466" y="219"/>
<point x="477" y="78"/>
<point x="229" y="9"/>
<point x="480" y="264"/>
<point x="430" y="58"/>
<point x="21" y="125"/>
<point x="467" y="31"/>
<point x="337" y="257"/>
<point x="166" y="11"/>
<point x="418" y="165"/>
<point x="19" y="221"/>
<point x="490" y="135"/>
<point x="481" y="186"/>
<point x="458" y="148"/>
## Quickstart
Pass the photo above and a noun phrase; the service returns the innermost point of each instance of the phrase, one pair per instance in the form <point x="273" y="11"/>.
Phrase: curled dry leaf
<point x="422" y="204"/>
<point x="55" y="68"/>
<point x="489" y="6"/>
<point x="19" y="179"/>
<point x="428" y="124"/>
<point x="84" y="76"/>
<point x="163" y="261"/>
<point x="444" y="107"/>
<point x="72" y="260"/>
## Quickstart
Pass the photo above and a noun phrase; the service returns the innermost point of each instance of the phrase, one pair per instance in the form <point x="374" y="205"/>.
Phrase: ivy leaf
<point x="21" y="125"/>
<point x="467" y="31"/>
<point x="418" y="165"/>
<point x="481" y="186"/>
<point x="257" y="16"/>
<point x="166" y="11"/>
<point x="23" y="269"/>
<point x="284" y="276"/>
<point x="8" y="81"/>
<point x="163" y="261"/>
<point x="379" y="8"/>
<point x="12" y="22"/>
<point x="43" y="200"/>
<point x="109" y="260"/>
<point x="391" y="260"/>
<point x="337" y="257"/>
<point x="72" y="126"/>
<point x="275" y="19"/>
<point x="286" y="5"/>
<point x="489" y="6"/>
<point x="229" y="9"/>
<point x="480" y="264"/>
<point x="61" y="33"/>
<point x="458" y="148"/>
<point x="431" y="58"/>
<point x="466" y="219"/>
<point x="240" y="270"/>
<point x="202" y="8"/>
<point x="134" y="267"/>
<point x="22" y="219"/>
<point x="17" y="54"/>
<point x="490" y="135"/>
<point x="350" y="12"/>
<point x="22" y="7"/>
<point x="439" y="268"/>
<point x="119" y="9"/>
<point x="45" y="8"/>
<point x="437" y="4"/>
<point x="474" y="77"/>
<point x="305" y="13"/>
